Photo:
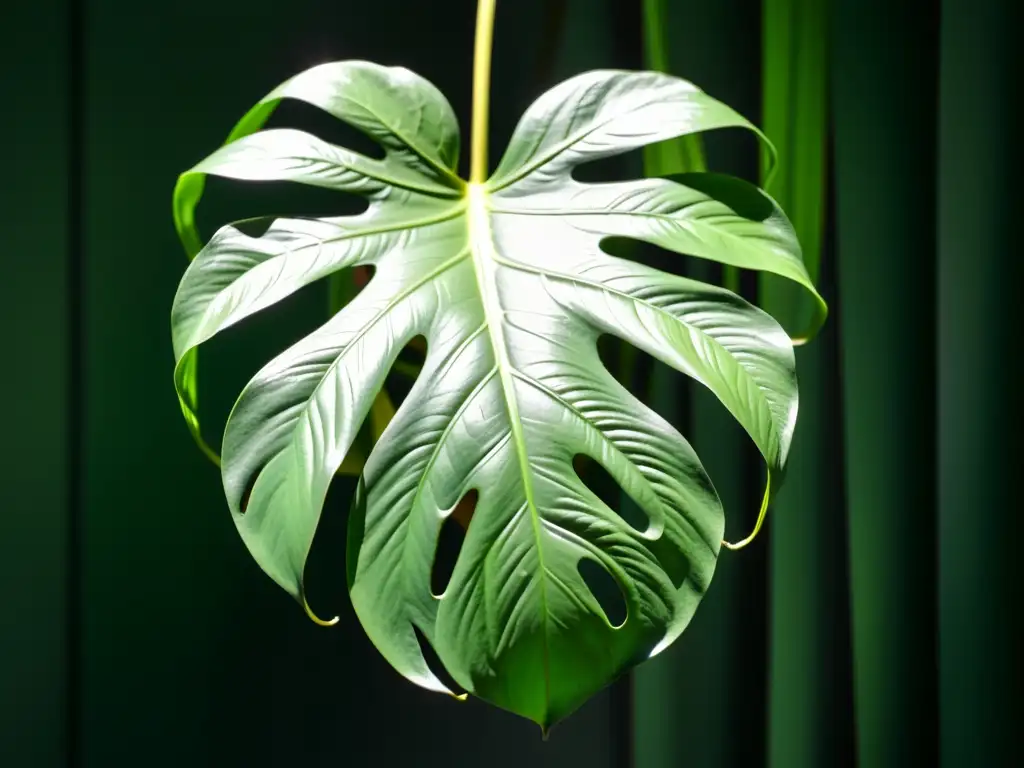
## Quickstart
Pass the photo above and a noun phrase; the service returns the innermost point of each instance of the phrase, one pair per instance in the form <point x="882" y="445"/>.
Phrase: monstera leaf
<point x="508" y="283"/>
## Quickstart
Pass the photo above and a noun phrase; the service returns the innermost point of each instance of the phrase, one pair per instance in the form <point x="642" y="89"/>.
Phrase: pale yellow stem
<point x="481" y="90"/>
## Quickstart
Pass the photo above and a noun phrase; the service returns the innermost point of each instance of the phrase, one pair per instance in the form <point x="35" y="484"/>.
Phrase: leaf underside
<point x="509" y="285"/>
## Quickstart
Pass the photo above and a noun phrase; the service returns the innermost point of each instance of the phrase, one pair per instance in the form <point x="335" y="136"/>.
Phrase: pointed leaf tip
<point x="512" y="385"/>
<point x="760" y="519"/>
<point x="316" y="619"/>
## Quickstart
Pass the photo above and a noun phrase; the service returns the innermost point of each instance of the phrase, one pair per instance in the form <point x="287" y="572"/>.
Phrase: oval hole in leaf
<point x="434" y="663"/>
<point x="667" y="156"/>
<point x="450" y="541"/>
<point x="628" y="166"/>
<point x="606" y="488"/>
<point x="231" y="200"/>
<point x="606" y="590"/>
<point x="356" y="531"/>
<point x="227" y="200"/>
<point x="325" y="593"/>
<point x="244" y="504"/>
<point x="664" y="260"/>
<point x="232" y="357"/>
<point x="345" y="284"/>
<point x="631" y="367"/>
<point x="732" y="150"/>
<point x="292" y="113"/>
<point x="728" y="150"/>
<point x="655" y="384"/>
<point x="406" y="369"/>
<point x="741" y="196"/>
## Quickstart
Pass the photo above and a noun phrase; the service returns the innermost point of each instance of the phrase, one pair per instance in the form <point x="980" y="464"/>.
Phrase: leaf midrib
<point x="484" y="259"/>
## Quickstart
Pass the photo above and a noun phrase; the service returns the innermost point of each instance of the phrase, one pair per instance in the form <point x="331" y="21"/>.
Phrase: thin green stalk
<point x="342" y="288"/>
<point x="794" y="118"/>
<point x="802" y="731"/>
<point x="686" y="153"/>
<point x="681" y="155"/>
<point x="481" y="90"/>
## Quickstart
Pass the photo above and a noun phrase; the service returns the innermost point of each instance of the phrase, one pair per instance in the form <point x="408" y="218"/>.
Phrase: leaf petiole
<point x="481" y="90"/>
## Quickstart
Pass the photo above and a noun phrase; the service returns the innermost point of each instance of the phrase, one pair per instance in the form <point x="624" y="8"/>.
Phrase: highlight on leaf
<point x="500" y="291"/>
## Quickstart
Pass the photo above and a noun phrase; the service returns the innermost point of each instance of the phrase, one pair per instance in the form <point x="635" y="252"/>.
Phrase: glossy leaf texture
<point x="508" y="283"/>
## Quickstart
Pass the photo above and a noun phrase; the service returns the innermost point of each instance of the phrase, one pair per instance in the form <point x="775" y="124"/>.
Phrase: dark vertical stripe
<point x="550" y="33"/>
<point x="749" y="676"/>
<point x="811" y="714"/>
<point x="627" y="53"/>
<point x="751" y="664"/>
<point x="810" y="697"/>
<point x="884" y="107"/>
<point x="187" y="643"/>
<point x="836" y="744"/>
<point x="33" y="383"/>
<point x="75" y="397"/>
<point x="702" y="701"/>
<point x="979" y="328"/>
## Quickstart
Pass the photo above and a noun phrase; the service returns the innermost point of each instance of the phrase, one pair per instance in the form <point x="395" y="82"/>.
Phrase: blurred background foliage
<point x="870" y="622"/>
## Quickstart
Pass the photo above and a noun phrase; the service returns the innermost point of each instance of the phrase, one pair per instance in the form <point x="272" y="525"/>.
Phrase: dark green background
<point x="872" y="625"/>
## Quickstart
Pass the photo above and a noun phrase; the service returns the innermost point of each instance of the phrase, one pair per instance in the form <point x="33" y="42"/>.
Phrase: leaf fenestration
<point x="508" y="283"/>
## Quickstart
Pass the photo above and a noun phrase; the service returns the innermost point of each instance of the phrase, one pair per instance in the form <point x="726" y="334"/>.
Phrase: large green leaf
<point x="509" y="285"/>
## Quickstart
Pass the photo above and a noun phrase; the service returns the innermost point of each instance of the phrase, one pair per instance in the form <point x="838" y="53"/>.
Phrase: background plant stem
<point x="481" y="89"/>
